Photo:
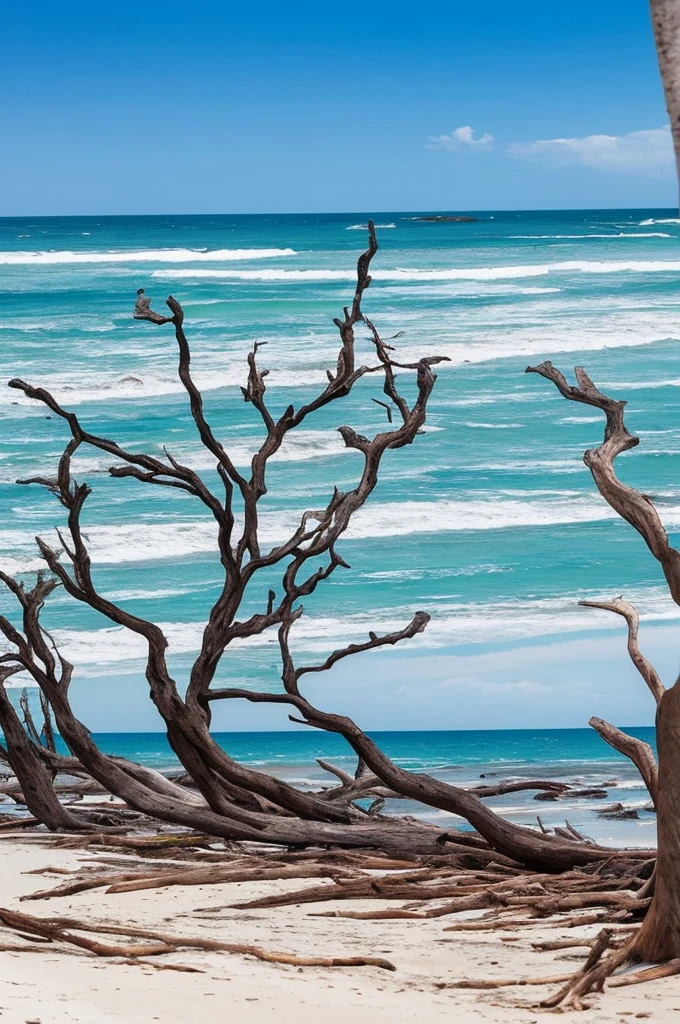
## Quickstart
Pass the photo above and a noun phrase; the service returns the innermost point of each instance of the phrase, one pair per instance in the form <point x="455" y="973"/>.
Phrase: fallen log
<point x="130" y="882"/>
<point x="64" y="929"/>
<point x="649" y="974"/>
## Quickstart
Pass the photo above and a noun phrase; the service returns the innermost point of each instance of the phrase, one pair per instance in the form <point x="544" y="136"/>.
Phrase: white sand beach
<point x="75" y="987"/>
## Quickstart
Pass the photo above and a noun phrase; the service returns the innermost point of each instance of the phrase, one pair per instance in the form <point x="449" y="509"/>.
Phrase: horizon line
<point x="345" y="213"/>
<point x="291" y="732"/>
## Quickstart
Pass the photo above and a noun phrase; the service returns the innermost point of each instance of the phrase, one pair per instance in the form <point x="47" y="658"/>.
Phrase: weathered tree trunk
<point x="666" y="22"/>
<point x="659" y="936"/>
<point x="235" y="801"/>
<point x="34" y="777"/>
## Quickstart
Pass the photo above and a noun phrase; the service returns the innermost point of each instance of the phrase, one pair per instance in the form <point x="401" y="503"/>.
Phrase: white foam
<point x="614" y="237"/>
<point x="492" y="426"/>
<point x="364" y="227"/>
<point x="113" y="544"/>
<point x="487" y="513"/>
<point x="662" y="220"/>
<point x="465" y="289"/>
<point x="141" y="256"/>
<point x="451" y="624"/>
<point x="582" y="419"/>
<point x="453" y="274"/>
<point x="643" y="385"/>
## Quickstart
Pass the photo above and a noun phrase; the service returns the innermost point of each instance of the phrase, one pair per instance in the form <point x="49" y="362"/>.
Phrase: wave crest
<point x="140" y="256"/>
<point x="453" y="274"/>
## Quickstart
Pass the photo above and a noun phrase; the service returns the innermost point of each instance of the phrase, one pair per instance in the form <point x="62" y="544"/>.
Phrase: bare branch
<point x="639" y="752"/>
<point x="630" y="614"/>
<point x="636" y="508"/>
<point x="417" y="625"/>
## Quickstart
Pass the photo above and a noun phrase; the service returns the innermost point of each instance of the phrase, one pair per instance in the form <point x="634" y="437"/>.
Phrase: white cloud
<point x="647" y="152"/>
<point x="461" y="138"/>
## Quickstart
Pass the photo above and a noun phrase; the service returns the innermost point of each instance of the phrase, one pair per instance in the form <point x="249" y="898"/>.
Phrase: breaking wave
<point x="615" y="237"/>
<point x="113" y="544"/>
<point x="141" y="256"/>
<point x="451" y="624"/>
<point x="453" y="274"/>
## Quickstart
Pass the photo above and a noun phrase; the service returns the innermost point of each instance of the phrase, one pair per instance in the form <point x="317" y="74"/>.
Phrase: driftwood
<point x="218" y="796"/>
<point x="659" y="937"/>
<point x="223" y="799"/>
<point x="69" y="930"/>
<point x="426" y="891"/>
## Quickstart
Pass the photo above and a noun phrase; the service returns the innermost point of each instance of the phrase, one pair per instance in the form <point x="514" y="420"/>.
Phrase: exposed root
<point x="649" y="974"/>
<point x="592" y="975"/>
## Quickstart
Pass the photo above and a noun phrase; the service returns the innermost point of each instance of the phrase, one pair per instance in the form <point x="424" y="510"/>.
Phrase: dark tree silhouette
<point x="229" y="799"/>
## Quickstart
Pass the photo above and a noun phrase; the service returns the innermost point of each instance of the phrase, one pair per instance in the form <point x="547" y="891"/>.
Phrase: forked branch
<point x="630" y="614"/>
<point x="636" y="508"/>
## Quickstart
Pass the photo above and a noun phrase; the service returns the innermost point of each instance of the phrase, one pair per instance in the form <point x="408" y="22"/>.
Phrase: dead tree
<point x="659" y="936"/>
<point x="666" y="24"/>
<point x="232" y="800"/>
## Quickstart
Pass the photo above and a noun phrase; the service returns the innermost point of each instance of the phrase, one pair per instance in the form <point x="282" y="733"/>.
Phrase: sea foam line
<point x="453" y="274"/>
<point x="117" y="544"/>
<point x="451" y="624"/>
<point x="141" y="256"/>
<point x="616" y="237"/>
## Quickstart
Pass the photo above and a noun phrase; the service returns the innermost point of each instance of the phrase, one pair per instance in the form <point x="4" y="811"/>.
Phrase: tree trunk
<point x="34" y="777"/>
<point x="666" y="22"/>
<point x="659" y="936"/>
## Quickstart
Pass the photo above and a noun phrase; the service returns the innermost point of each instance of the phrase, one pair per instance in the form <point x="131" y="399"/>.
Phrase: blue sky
<point x="258" y="107"/>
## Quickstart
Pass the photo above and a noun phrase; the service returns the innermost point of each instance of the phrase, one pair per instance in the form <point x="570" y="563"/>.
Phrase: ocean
<point x="489" y="521"/>
<point x="467" y="758"/>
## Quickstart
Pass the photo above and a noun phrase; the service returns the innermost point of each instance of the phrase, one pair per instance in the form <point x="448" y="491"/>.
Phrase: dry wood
<point x="592" y="976"/>
<point x="370" y="888"/>
<point x="66" y="929"/>
<point x="230" y="800"/>
<point x="650" y="974"/>
<point x="183" y="968"/>
<point x="133" y="881"/>
<point x="489" y="983"/>
<point x="666" y="24"/>
<point x="659" y="937"/>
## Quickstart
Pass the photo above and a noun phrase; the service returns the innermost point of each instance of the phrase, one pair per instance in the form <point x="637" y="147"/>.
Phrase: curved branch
<point x="630" y="614"/>
<point x="522" y="844"/>
<point x="639" y="752"/>
<point x="417" y="625"/>
<point x="150" y="469"/>
<point x="636" y="508"/>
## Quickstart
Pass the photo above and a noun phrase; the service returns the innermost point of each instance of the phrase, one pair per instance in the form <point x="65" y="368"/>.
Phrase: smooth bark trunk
<point x="666" y="23"/>
<point x="35" y="779"/>
<point x="659" y="936"/>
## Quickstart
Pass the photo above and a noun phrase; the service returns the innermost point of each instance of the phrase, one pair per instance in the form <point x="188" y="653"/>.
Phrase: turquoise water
<point x="463" y="758"/>
<point x="469" y="752"/>
<point x="489" y="521"/>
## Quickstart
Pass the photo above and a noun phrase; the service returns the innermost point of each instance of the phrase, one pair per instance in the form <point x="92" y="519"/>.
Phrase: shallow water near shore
<point x="577" y="757"/>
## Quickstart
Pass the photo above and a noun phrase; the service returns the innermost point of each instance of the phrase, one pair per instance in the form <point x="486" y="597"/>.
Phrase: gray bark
<point x="666" y="23"/>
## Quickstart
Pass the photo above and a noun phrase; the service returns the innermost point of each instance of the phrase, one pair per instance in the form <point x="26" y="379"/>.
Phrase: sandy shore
<point x="76" y="988"/>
